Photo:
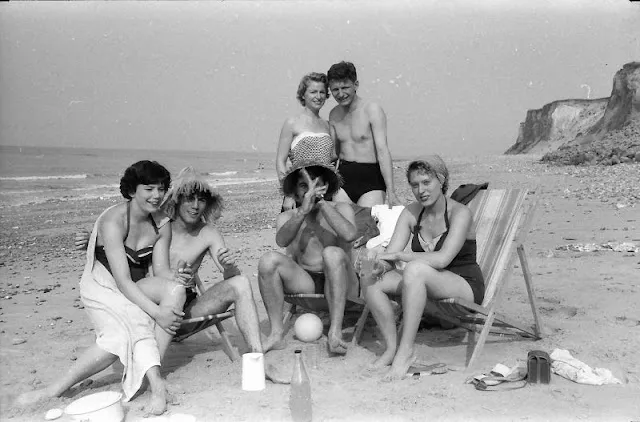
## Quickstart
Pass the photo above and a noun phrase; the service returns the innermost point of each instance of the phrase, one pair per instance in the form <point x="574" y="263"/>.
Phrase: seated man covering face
<point x="317" y="236"/>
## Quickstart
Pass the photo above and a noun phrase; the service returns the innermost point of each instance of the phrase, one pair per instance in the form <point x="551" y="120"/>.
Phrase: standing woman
<point x="441" y="263"/>
<point x="306" y="134"/>
<point x="134" y="315"/>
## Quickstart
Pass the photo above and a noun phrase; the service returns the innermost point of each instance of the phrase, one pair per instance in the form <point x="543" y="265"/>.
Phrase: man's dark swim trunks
<point x="360" y="178"/>
<point x="318" y="281"/>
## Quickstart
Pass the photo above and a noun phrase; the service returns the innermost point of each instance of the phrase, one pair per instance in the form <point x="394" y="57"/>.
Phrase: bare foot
<point x="273" y="342"/>
<point x="32" y="397"/>
<point x="157" y="403"/>
<point x="371" y="372"/>
<point x="399" y="367"/>
<point x="336" y="344"/>
<point x="383" y="360"/>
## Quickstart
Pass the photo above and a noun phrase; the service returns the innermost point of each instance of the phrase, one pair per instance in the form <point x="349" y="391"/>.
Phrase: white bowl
<point x="98" y="407"/>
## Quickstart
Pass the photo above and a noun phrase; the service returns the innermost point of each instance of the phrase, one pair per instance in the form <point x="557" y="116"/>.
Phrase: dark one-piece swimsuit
<point x="140" y="260"/>
<point x="464" y="264"/>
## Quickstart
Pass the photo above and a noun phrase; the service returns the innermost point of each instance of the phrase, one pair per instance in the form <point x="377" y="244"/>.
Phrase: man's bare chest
<point x="316" y="235"/>
<point x="353" y="128"/>
<point x="190" y="250"/>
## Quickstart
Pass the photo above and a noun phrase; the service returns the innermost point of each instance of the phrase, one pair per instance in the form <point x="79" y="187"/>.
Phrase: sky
<point x="452" y="77"/>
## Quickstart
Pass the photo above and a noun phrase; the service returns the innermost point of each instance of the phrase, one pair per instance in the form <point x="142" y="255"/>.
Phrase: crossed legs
<point x="278" y="273"/>
<point x="220" y="296"/>
<point x="418" y="282"/>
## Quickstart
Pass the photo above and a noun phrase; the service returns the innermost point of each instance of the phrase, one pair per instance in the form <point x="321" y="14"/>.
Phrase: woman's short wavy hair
<point x="143" y="172"/>
<point x="306" y="80"/>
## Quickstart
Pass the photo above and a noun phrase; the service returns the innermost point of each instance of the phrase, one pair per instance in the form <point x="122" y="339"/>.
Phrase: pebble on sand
<point x="17" y="341"/>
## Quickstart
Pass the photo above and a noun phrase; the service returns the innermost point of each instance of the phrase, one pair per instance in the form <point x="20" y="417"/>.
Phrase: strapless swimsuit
<point x="138" y="260"/>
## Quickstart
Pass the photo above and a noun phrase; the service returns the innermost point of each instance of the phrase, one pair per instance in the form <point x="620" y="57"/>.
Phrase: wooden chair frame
<point x="468" y="314"/>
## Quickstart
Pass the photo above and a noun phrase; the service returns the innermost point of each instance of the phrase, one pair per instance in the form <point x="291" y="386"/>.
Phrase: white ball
<point x="308" y="327"/>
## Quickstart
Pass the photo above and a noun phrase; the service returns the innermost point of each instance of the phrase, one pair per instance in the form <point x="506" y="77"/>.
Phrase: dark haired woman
<point x="306" y="134"/>
<point x="134" y="315"/>
<point x="441" y="263"/>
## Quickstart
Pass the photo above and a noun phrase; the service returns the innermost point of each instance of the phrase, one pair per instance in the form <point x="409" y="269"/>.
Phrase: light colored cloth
<point x="386" y="219"/>
<point x="122" y="328"/>
<point x="565" y="365"/>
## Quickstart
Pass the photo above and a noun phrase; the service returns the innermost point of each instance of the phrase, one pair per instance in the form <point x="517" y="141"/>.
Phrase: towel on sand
<point x="565" y="365"/>
<point x="122" y="328"/>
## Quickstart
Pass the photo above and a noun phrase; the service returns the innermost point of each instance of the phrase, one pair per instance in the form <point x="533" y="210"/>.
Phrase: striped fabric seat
<point x="501" y="221"/>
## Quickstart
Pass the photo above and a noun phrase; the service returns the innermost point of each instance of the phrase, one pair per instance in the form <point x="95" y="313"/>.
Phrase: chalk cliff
<point x="557" y="123"/>
<point x="605" y="131"/>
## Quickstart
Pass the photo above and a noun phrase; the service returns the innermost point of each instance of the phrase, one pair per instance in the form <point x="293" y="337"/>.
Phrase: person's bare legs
<point x="341" y="196"/>
<point x="371" y="198"/>
<point x="419" y="281"/>
<point x="340" y="276"/>
<point x="217" y="299"/>
<point x="277" y="273"/>
<point x="92" y="361"/>
<point x="377" y="297"/>
<point x="164" y="293"/>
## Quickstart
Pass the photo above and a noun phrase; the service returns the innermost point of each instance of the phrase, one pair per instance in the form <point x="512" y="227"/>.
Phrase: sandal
<point x="501" y="377"/>
<point x="416" y="370"/>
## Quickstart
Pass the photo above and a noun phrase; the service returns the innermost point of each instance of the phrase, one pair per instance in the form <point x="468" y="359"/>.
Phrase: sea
<point x="38" y="174"/>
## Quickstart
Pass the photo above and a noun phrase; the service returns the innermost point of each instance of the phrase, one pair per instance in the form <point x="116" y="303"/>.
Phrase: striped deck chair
<point x="501" y="219"/>
<point x="205" y="322"/>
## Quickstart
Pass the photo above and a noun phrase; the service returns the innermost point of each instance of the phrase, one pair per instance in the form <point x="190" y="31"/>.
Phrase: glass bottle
<point x="300" y="399"/>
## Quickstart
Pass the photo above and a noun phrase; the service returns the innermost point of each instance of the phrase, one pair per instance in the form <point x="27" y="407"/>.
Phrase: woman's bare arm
<point x="284" y="144"/>
<point x="111" y="232"/>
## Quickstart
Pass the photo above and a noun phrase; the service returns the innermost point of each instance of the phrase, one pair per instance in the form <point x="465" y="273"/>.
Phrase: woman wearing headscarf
<point x="441" y="263"/>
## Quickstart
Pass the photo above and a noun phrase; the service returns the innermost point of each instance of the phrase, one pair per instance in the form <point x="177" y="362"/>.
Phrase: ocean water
<point x="35" y="175"/>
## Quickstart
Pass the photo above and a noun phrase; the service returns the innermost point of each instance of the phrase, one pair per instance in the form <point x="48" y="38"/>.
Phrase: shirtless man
<point x="318" y="236"/>
<point x="192" y="204"/>
<point x="361" y="142"/>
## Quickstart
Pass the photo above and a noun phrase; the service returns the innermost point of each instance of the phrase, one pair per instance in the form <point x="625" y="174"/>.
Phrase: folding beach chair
<point x="501" y="220"/>
<point x="205" y="322"/>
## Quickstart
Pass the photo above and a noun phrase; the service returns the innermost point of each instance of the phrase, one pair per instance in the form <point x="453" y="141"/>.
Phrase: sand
<point x="587" y="303"/>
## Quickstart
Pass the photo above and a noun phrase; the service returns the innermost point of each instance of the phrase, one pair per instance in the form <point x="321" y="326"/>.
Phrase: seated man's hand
<point x="184" y="274"/>
<point x="227" y="258"/>
<point x="288" y="203"/>
<point x="81" y="240"/>
<point x="314" y="193"/>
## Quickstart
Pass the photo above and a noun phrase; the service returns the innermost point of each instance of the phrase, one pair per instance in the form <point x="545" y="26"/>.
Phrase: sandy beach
<point x="587" y="302"/>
